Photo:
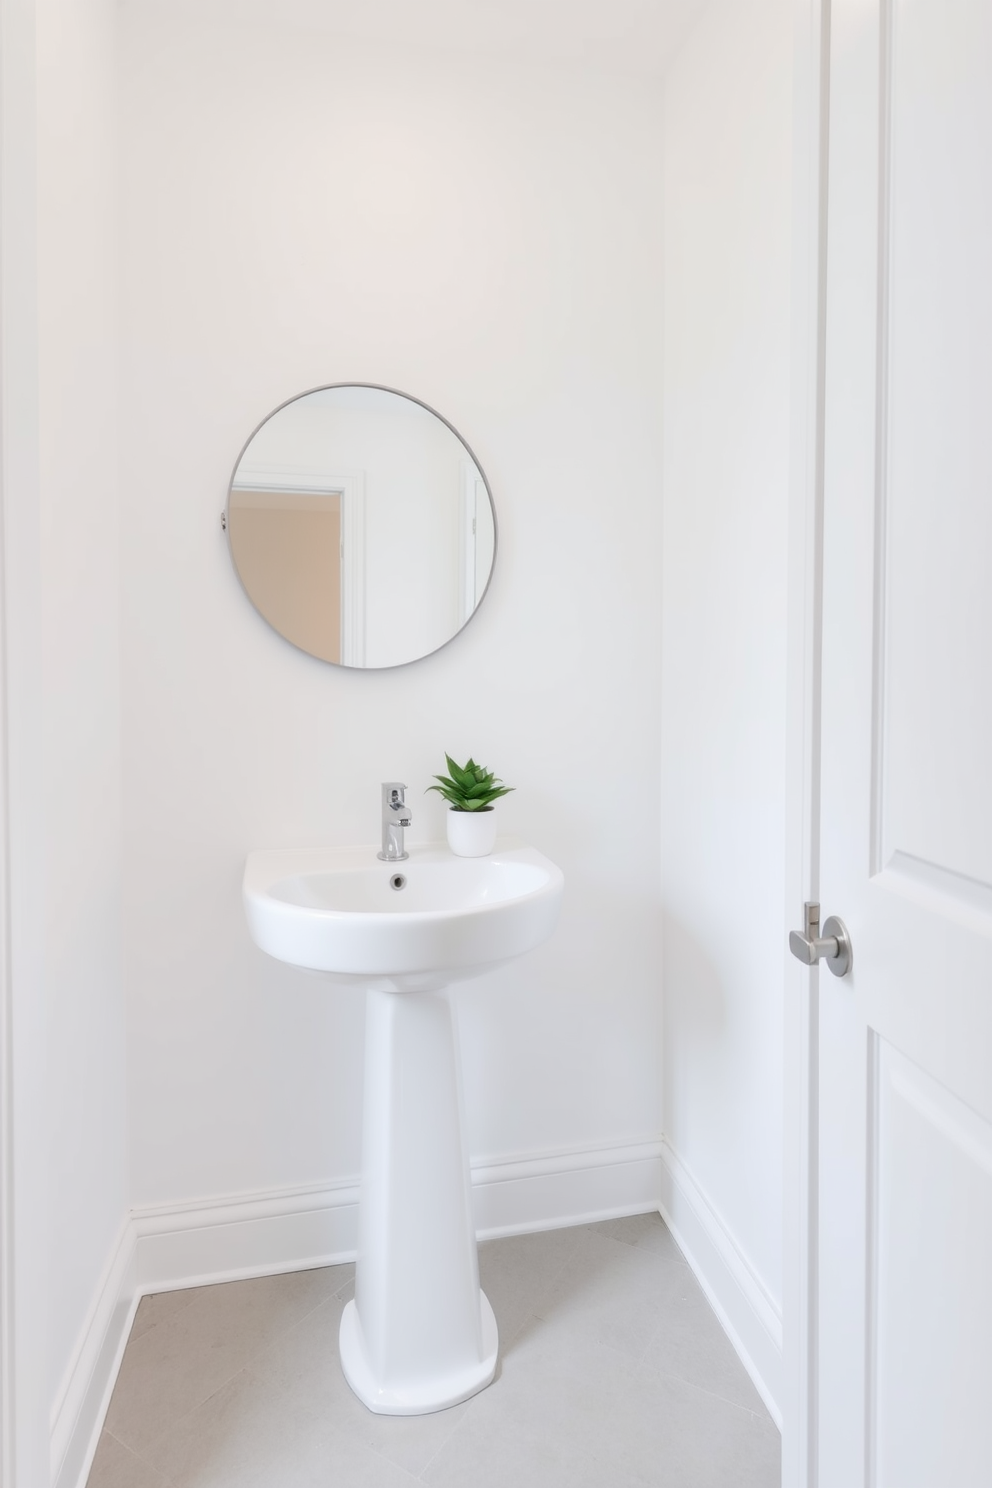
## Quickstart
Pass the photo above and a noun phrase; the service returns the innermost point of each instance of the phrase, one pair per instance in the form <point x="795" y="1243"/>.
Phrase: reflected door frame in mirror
<point x="350" y="489"/>
<point x="386" y="481"/>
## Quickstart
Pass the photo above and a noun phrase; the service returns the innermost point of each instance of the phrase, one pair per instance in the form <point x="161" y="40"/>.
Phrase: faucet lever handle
<point x="394" y="800"/>
<point x="395" y="816"/>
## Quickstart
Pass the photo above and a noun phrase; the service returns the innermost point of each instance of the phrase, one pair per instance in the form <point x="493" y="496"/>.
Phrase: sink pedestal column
<point x="420" y="1335"/>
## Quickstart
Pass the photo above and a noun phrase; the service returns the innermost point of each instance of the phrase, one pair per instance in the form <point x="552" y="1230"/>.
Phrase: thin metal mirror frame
<point x="379" y="388"/>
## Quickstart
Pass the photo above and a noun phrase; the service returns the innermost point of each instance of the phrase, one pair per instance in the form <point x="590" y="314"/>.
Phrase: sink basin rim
<point x="391" y="916"/>
<point x="267" y="868"/>
<point x="381" y="942"/>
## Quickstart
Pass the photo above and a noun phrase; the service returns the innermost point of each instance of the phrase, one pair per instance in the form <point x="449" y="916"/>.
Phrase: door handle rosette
<point x="833" y="947"/>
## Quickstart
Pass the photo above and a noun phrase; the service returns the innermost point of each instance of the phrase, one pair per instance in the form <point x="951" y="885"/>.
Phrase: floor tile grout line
<point x="666" y="1263"/>
<point x="673" y="1374"/>
<point x="451" y="1434"/>
<point x="160" y="1322"/>
<point x="641" y="1359"/>
<point x="139" y="1456"/>
<point x="297" y="1322"/>
<point x="170" y="1429"/>
<point x="684" y="1379"/>
<point x="248" y="1358"/>
<point x="611" y="1348"/>
<point x="556" y="1275"/>
<point x="415" y="1477"/>
<point x="342" y="1431"/>
<point x="244" y="1367"/>
<point x="660" y="1325"/>
<point x="504" y="1346"/>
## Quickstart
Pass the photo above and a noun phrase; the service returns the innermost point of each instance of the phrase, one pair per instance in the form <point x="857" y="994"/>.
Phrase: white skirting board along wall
<point x="750" y="1318"/>
<point x="182" y="1245"/>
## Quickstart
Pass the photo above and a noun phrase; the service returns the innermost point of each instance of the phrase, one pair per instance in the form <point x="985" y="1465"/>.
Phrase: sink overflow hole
<point x="398" y="881"/>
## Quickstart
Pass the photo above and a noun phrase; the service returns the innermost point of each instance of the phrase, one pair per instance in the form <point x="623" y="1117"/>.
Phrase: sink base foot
<point x="416" y="1396"/>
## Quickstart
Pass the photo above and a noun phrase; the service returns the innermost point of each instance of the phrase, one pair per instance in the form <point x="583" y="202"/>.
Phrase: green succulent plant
<point x="469" y="787"/>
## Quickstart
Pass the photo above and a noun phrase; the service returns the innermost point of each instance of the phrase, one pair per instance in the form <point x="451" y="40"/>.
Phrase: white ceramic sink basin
<point x="341" y="910"/>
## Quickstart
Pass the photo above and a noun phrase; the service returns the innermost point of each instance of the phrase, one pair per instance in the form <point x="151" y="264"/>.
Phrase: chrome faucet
<point x="396" y="815"/>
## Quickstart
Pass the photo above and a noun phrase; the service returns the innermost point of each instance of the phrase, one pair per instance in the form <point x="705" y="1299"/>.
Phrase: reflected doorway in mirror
<point x="298" y="547"/>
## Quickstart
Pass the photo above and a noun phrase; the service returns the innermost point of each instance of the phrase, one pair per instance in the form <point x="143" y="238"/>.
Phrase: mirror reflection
<point x="361" y="526"/>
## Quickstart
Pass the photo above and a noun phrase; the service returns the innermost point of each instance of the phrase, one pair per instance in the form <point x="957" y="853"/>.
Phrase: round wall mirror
<point x="361" y="526"/>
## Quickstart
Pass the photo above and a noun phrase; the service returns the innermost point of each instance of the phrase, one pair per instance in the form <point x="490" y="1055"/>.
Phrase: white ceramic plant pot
<point x="471" y="834"/>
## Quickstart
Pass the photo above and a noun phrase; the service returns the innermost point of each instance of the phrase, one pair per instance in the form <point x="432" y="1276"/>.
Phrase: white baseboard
<point x="735" y="1292"/>
<point x="171" y="1246"/>
<point x="260" y="1234"/>
<point x="181" y="1245"/>
<point x="224" y="1239"/>
<point x="547" y="1191"/>
<point x="82" y="1401"/>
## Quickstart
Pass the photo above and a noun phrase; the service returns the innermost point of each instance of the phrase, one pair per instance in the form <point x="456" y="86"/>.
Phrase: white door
<point x="904" y="1314"/>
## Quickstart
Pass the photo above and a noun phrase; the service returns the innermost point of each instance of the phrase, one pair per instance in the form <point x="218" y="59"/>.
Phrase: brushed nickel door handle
<point x="833" y="947"/>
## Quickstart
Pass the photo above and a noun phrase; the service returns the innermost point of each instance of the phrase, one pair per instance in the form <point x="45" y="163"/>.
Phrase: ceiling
<point x="638" y="36"/>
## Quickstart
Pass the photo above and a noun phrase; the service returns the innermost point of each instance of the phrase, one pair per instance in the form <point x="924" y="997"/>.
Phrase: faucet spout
<point x="396" y="815"/>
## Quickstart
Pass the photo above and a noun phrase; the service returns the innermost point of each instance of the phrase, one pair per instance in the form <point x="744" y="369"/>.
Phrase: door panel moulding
<point x="952" y="895"/>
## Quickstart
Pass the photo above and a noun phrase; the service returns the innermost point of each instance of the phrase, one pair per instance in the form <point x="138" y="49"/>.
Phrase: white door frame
<point x="810" y="118"/>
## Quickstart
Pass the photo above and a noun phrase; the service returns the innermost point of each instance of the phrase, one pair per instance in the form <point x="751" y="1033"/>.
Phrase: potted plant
<point x="470" y="791"/>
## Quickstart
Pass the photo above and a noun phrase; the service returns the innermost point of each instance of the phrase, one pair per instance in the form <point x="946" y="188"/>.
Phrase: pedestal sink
<point x="420" y="1334"/>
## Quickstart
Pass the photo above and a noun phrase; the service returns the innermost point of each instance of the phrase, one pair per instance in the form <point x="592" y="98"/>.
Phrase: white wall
<point x="727" y="340"/>
<point x="85" y="1163"/>
<point x="487" y="237"/>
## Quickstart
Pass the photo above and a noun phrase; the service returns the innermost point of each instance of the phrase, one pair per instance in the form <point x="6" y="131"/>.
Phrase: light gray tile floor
<point x="613" y="1373"/>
